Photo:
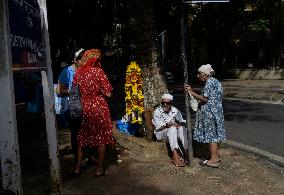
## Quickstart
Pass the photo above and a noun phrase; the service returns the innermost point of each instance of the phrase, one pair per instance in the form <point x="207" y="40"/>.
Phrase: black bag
<point x="74" y="103"/>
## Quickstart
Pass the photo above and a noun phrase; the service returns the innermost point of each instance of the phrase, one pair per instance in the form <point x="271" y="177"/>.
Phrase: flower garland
<point x="134" y="96"/>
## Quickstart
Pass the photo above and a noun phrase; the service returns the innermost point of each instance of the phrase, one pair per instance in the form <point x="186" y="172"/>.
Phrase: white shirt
<point x="159" y="121"/>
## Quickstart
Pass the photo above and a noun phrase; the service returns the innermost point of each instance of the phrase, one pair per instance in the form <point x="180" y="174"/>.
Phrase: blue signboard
<point x="25" y="34"/>
<point x="27" y="49"/>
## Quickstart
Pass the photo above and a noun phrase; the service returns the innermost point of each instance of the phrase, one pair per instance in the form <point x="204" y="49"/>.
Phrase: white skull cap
<point x="168" y="96"/>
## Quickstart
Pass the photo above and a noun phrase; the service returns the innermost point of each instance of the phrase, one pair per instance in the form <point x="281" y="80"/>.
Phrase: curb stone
<point x="264" y="154"/>
<point x="253" y="100"/>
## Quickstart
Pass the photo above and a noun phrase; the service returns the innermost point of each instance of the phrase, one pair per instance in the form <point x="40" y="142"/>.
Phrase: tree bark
<point x="281" y="31"/>
<point x="144" y="34"/>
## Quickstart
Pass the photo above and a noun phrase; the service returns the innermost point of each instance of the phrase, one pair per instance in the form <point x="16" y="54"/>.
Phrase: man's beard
<point x="166" y="109"/>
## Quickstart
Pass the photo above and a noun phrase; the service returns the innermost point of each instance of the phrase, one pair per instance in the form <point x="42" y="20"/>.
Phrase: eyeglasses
<point x="166" y="103"/>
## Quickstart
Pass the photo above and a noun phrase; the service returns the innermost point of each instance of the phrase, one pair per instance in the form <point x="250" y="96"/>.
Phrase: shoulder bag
<point x="75" y="104"/>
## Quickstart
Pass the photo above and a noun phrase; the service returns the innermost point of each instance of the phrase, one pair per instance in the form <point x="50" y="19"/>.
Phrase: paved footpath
<point x="269" y="91"/>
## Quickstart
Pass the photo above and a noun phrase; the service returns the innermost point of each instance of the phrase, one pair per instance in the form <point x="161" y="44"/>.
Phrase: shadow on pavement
<point x="119" y="178"/>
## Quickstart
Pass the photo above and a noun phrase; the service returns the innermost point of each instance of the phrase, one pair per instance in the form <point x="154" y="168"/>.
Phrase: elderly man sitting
<point x="168" y="123"/>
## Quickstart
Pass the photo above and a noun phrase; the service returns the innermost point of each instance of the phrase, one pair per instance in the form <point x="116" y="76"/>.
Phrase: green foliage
<point x="215" y="31"/>
<point x="259" y="25"/>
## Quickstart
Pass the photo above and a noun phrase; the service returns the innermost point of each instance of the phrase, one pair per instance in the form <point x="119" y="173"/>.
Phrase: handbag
<point x="193" y="103"/>
<point x="75" y="104"/>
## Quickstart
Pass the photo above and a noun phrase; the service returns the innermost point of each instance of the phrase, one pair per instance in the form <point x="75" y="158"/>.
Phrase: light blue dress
<point x="66" y="76"/>
<point x="61" y="102"/>
<point x="209" y="124"/>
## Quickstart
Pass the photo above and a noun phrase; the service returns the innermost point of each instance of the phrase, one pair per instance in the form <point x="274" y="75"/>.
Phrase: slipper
<point x="218" y="161"/>
<point x="205" y="163"/>
<point x="100" y="175"/>
<point x="211" y="166"/>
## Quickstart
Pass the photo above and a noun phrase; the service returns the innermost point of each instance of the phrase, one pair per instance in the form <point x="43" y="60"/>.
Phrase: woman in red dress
<point x="96" y="127"/>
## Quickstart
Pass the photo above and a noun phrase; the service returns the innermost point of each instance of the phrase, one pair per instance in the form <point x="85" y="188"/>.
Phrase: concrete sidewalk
<point x="268" y="91"/>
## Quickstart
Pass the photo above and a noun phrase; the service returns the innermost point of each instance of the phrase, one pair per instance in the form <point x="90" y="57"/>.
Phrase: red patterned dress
<point x="96" y="127"/>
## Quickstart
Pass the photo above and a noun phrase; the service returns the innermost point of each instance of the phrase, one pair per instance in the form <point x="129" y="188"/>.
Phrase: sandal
<point x="205" y="163"/>
<point x="101" y="174"/>
<point x="218" y="161"/>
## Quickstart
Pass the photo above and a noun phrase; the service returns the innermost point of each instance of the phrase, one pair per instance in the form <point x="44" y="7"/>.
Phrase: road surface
<point x="259" y="125"/>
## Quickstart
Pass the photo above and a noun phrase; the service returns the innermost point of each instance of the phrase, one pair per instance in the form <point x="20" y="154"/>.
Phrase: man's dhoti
<point x="171" y="135"/>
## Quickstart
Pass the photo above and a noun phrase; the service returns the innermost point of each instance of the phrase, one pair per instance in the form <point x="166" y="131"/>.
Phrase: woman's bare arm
<point x="62" y="89"/>
<point x="188" y="89"/>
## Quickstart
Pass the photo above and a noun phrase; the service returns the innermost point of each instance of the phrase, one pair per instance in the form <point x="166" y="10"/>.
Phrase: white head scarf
<point x="77" y="53"/>
<point x="168" y="96"/>
<point x="206" y="69"/>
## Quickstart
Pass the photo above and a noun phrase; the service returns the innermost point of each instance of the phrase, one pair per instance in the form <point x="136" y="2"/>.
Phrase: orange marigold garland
<point x="134" y="93"/>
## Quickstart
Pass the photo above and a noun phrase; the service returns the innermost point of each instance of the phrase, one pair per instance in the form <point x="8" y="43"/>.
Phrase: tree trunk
<point x="144" y="34"/>
<point x="281" y="31"/>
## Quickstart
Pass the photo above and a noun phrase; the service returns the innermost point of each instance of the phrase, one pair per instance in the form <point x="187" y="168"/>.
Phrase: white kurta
<point x="173" y="133"/>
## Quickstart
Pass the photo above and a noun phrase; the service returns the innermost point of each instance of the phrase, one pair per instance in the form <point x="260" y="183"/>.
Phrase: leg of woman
<point x="90" y="155"/>
<point x="74" y="125"/>
<point x="79" y="159"/>
<point x="213" y="147"/>
<point x="101" y="153"/>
